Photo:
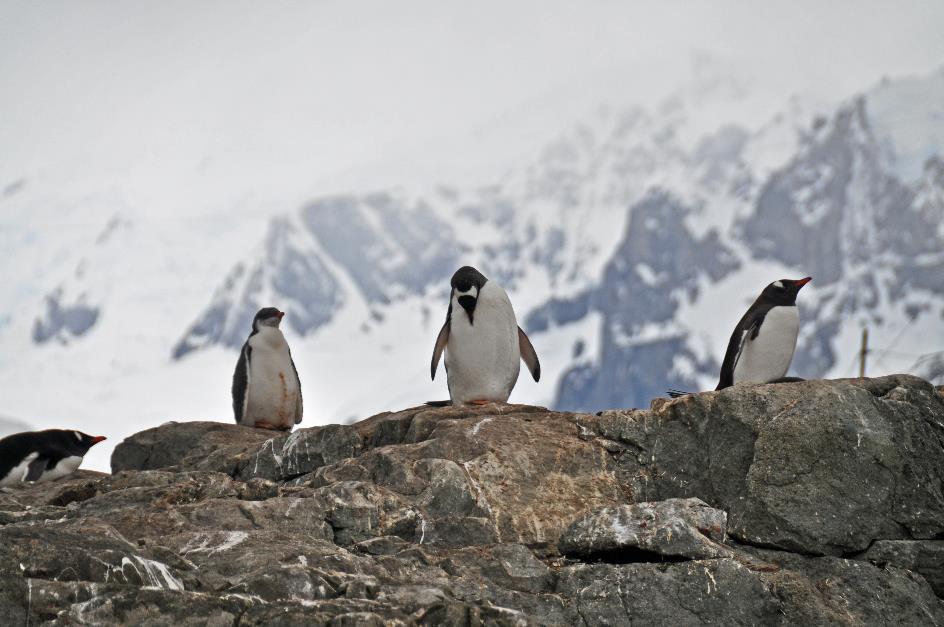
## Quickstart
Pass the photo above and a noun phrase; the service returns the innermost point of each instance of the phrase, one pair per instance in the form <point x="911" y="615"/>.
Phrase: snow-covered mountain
<point x="630" y="245"/>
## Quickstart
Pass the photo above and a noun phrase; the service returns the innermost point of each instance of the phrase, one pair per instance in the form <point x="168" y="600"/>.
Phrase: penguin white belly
<point x="483" y="359"/>
<point x="273" y="387"/>
<point x="768" y="356"/>
<point x="66" y="466"/>
<point x="18" y="473"/>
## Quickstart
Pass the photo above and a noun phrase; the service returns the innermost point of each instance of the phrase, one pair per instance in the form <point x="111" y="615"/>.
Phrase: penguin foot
<point x="261" y="424"/>
<point x="480" y="402"/>
<point x="439" y="403"/>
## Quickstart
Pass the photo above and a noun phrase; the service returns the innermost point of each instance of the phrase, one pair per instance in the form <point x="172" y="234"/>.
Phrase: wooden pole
<point x="863" y="351"/>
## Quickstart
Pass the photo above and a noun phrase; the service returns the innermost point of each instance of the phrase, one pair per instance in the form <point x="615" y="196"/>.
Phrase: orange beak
<point x="98" y="438"/>
<point x="800" y="283"/>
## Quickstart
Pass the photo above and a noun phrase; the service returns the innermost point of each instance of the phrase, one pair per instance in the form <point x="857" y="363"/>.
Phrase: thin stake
<point x="863" y="351"/>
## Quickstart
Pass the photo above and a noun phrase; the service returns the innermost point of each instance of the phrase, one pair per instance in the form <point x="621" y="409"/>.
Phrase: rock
<point x="690" y="593"/>
<point x="295" y="454"/>
<point x="504" y="515"/>
<point x="925" y="557"/>
<point x="820" y="467"/>
<point x="190" y="445"/>
<point x="830" y="590"/>
<point x="676" y="528"/>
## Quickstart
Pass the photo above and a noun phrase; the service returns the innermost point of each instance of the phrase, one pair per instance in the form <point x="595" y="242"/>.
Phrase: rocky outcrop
<point x="816" y="502"/>
<point x="675" y="528"/>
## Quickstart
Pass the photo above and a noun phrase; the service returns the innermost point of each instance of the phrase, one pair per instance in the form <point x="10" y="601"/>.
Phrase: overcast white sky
<point x="105" y="90"/>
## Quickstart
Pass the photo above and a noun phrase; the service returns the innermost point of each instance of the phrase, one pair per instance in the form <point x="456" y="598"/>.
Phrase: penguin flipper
<point x="748" y="329"/>
<point x="677" y="393"/>
<point x="241" y="384"/>
<point x="299" y="406"/>
<point x="528" y="355"/>
<point x="36" y="468"/>
<point x="441" y="340"/>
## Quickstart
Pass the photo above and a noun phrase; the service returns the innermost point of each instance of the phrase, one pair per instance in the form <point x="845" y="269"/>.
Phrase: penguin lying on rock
<point x="482" y="341"/>
<point x="761" y="347"/>
<point x="266" y="390"/>
<point x="42" y="455"/>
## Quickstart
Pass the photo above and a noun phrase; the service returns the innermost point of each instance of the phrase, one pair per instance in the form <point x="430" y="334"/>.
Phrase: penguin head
<point x="267" y="317"/>
<point x="76" y="442"/>
<point x="784" y="291"/>
<point x="466" y="283"/>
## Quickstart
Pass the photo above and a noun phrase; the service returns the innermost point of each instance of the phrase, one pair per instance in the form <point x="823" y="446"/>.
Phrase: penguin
<point x="267" y="393"/>
<point x="37" y="456"/>
<point x="482" y="342"/>
<point x="761" y="347"/>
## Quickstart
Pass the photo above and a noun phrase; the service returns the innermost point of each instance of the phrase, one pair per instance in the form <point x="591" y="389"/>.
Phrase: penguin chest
<point x="767" y="357"/>
<point x="482" y="359"/>
<point x="273" y="387"/>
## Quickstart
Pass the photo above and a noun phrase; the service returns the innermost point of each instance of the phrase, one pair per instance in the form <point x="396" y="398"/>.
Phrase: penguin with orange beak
<point x="761" y="348"/>
<point x="42" y="455"/>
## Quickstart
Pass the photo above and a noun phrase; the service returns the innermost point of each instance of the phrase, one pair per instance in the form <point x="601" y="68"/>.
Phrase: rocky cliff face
<point x="815" y="502"/>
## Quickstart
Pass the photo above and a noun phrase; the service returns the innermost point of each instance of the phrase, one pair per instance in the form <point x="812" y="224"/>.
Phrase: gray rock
<point x="830" y="590"/>
<point x="925" y="557"/>
<point x="291" y="455"/>
<point x="191" y="445"/>
<point x="689" y="593"/>
<point x="680" y="528"/>
<point x="455" y="516"/>
<point x="821" y="467"/>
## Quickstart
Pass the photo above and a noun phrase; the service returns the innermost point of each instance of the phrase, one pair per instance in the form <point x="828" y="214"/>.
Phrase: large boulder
<point x="821" y="467"/>
<point x="708" y="509"/>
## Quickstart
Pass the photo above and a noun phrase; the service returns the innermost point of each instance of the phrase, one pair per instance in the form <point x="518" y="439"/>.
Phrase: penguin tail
<point x="439" y="403"/>
<point x="677" y="393"/>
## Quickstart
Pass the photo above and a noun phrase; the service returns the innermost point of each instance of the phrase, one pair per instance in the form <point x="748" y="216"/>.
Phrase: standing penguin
<point x="761" y="347"/>
<point x="266" y="391"/>
<point x="482" y="341"/>
<point x="43" y="455"/>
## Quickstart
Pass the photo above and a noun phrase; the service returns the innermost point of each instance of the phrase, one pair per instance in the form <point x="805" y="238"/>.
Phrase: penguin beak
<point x="98" y="438"/>
<point x="468" y="303"/>
<point x="800" y="283"/>
<point x="281" y="314"/>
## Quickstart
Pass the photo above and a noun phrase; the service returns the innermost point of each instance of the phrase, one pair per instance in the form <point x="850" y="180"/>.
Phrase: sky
<point x="334" y="94"/>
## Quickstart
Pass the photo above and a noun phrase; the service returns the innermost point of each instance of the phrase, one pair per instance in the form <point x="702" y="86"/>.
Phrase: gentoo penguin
<point x="761" y="348"/>
<point x="42" y="455"/>
<point x="266" y="391"/>
<point x="482" y="341"/>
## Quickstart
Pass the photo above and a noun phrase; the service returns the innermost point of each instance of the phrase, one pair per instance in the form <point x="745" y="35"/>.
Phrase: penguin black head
<point x="75" y="442"/>
<point x="466" y="284"/>
<point x="267" y="317"/>
<point x="86" y="441"/>
<point x="784" y="291"/>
